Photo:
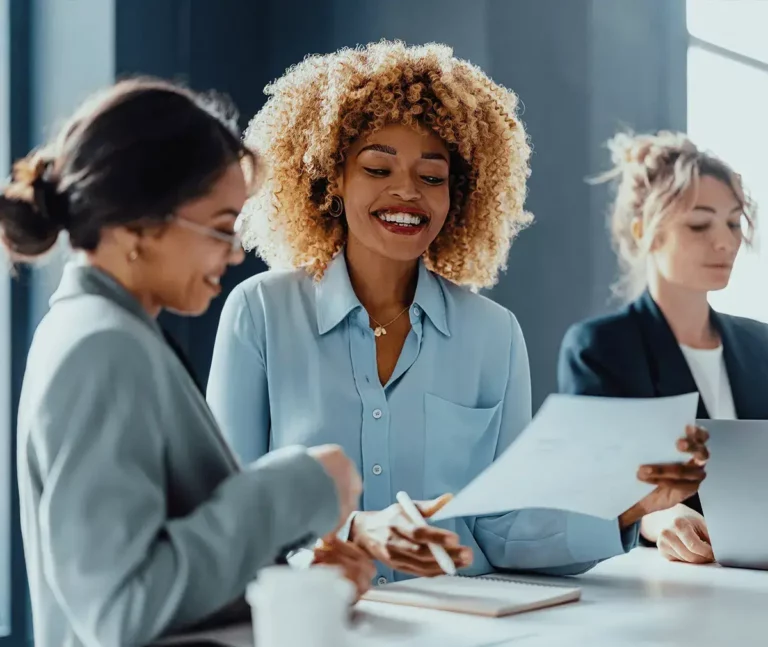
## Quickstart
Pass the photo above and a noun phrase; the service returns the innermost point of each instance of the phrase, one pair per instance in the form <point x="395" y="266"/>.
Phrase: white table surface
<point x="636" y="600"/>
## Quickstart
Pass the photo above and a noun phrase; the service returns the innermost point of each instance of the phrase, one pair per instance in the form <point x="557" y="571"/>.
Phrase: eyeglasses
<point x="233" y="240"/>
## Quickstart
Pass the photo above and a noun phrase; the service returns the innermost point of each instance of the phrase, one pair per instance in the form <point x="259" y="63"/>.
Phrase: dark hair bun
<point x="134" y="153"/>
<point x="30" y="208"/>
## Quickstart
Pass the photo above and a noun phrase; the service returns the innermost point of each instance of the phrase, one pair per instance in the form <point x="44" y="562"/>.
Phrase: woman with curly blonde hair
<point x="680" y="217"/>
<point x="396" y="183"/>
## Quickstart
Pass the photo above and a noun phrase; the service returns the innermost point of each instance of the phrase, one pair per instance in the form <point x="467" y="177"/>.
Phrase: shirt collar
<point x="336" y="298"/>
<point x="431" y="299"/>
<point x="80" y="278"/>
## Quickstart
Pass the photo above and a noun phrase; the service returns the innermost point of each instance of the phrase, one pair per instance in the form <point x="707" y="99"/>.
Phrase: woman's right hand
<point x="349" y="485"/>
<point x="681" y="535"/>
<point x="390" y="537"/>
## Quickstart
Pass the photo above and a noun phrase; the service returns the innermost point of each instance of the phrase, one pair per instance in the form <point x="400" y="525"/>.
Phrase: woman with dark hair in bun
<point x="137" y="519"/>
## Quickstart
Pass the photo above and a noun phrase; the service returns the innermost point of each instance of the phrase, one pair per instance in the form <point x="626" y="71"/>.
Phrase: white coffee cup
<point x="300" y="607"/>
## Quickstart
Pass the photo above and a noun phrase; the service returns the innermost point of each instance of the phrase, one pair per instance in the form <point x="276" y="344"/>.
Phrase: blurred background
<point x="582" y="68"/>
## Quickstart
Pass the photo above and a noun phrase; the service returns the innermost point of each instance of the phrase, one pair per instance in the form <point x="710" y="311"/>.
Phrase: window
<point x="5" y="342"/>
<point x="727" y="104"/>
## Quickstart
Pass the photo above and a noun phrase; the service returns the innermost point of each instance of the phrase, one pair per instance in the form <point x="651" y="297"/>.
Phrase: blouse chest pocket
<point x="460" y="442"/>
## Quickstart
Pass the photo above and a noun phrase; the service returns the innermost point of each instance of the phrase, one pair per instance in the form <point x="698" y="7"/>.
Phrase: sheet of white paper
<point x="581" y="454"/>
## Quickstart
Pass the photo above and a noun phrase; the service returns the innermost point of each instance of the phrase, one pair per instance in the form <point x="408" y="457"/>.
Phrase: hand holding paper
<point x="675" y="482"/>
<point x="582" y="454"/>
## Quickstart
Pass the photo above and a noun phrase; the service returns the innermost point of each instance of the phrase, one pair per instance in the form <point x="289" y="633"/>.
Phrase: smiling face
<point x="696" y="250"/>
<point x="182" y="265"/>
<point x="395" y="190"/>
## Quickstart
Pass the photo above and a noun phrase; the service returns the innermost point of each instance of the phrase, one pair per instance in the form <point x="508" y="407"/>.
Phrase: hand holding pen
<point x="392" y="537"/>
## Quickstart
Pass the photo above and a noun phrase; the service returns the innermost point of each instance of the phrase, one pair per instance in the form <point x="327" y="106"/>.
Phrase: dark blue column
<point x="583" y="70"/>
<point x="18" y="623"/>
<point x="59" y="53"/>
<point x="221" y="45"/>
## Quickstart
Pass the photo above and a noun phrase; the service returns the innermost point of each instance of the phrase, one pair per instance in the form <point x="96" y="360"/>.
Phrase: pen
<point x="439" y="553"/>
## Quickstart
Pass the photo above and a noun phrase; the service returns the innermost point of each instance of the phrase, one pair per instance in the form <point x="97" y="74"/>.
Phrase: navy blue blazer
<point x="634" y="354"/>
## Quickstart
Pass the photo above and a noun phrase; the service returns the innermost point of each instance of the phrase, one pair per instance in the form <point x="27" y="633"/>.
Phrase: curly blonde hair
<point x="323" y="104"/>
<point x="657" y="176"/>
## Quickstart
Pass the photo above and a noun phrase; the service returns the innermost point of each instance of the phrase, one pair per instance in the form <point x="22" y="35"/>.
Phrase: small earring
<point x="133" y="256"/>
<point x="337" y="207"/>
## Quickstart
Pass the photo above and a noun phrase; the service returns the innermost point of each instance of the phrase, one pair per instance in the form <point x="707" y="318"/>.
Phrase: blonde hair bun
<point x="657" y="175"/>
<point x="632" y="153"/>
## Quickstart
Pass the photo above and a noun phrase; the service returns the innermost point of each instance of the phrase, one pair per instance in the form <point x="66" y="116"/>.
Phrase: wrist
<point x="359" y="534"/>
<point x="356" y="528"/>
<point x="631" y="516"/>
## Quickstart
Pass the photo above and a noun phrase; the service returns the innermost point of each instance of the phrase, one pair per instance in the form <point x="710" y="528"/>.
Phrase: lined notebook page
<point x="483" y="596"/>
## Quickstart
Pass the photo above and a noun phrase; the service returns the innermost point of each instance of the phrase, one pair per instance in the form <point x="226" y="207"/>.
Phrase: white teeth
<point x="400" y="218"/>
<point x="213" y="280"/>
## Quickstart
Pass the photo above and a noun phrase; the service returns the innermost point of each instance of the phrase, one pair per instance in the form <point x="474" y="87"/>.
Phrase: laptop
<point x="734" y="496"/>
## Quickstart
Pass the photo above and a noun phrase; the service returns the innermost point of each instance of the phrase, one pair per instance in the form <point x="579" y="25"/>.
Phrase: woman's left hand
<point x="675" y="482"/>
<point x="357" y="567"/>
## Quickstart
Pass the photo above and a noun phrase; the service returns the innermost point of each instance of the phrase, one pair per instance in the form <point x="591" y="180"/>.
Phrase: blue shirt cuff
<point x="630" y="537"/>
<point x="591" y="539"/>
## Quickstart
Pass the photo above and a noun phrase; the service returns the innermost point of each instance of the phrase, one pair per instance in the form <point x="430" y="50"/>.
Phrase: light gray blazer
<point x="137" y="519"/>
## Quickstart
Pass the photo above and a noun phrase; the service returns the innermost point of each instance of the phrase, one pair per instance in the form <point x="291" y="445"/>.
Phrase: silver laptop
<point x="734" y="495"/>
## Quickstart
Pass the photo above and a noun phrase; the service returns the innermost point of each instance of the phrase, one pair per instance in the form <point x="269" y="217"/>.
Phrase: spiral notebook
<point x="482" y="596"/>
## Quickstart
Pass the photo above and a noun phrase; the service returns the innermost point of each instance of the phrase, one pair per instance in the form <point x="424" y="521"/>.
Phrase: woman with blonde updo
<point x="396" y="183"/>
<point x="680" y="217"/>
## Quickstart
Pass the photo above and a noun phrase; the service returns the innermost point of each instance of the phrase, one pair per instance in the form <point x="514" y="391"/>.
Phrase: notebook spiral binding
<point x="491" y="578"/>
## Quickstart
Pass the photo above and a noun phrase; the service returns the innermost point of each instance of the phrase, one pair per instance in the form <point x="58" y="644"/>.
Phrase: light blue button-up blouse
<point x="295" y="363"/>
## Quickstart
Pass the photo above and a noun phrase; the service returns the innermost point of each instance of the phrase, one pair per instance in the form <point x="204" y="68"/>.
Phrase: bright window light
<point x="736" y="25"/>
<point x="727" y="108"/>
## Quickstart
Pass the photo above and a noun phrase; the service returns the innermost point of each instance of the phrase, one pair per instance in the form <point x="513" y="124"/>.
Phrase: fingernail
<point x="646" y="471"/>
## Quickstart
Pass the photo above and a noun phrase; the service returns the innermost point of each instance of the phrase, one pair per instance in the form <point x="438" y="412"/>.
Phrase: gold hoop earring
<point x="133" y="256"/>
<point x="336" y="208"/>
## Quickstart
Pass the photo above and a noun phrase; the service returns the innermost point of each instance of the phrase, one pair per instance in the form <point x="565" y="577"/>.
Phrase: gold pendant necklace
<point x="380" y="329"/>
